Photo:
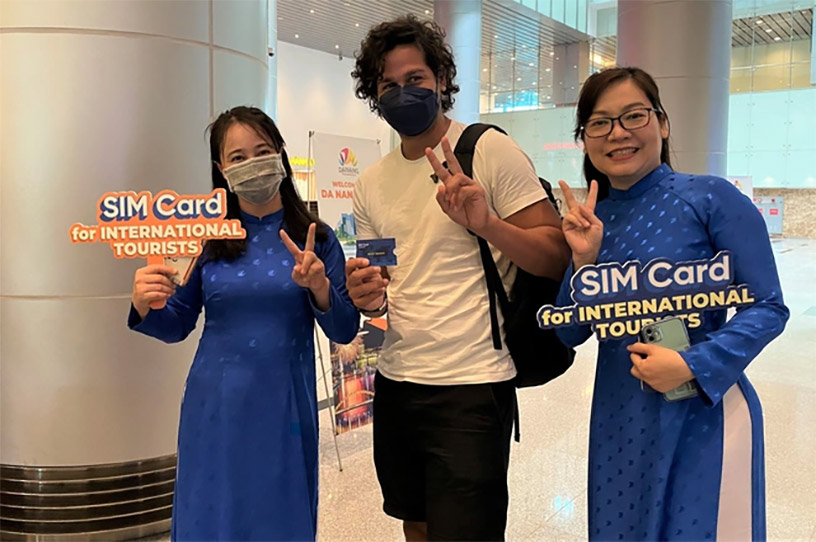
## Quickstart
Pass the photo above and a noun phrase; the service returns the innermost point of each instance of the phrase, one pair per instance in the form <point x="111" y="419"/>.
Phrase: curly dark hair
<point x="427" y="36"/>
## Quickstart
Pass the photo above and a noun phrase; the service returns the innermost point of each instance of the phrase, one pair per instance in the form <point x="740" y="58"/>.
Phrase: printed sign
<point x="617" y="300"/>
<point x="155" y="227"/>
<point x="339" y="161"/>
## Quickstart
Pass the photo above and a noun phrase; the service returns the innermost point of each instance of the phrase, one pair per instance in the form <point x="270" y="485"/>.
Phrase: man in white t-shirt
<point x="444" y="401"/>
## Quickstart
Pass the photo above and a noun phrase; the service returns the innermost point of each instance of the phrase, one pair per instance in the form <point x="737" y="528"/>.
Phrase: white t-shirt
<point x="438" y="312"/>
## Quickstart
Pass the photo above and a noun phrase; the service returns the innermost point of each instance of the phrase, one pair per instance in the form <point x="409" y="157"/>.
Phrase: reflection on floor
<point x="548" y="468"/>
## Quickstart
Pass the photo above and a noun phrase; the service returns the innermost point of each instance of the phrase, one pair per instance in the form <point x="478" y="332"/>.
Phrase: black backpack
<point x="538" y="354"/>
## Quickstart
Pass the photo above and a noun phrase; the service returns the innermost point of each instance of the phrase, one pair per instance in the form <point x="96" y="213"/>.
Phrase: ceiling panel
<point x="338" y="26"/>
<point x="518" y="44"/>
<point x="787" y="26"/>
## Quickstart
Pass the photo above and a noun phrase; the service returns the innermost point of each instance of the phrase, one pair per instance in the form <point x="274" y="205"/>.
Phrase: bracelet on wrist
<point x="378" y="310"/>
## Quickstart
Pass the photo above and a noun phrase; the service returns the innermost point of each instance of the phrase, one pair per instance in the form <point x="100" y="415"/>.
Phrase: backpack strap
<point x="466" y="146"/>
<point x="495" y="289"/>
<point x="464" y="152"/>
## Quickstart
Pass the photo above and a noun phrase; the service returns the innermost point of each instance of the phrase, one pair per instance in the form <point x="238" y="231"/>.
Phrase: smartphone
<point x="670" y="333"/>
<point x="184" y="265"/>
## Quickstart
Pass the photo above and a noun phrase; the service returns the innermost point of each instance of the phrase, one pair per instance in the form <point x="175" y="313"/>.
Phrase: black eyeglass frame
<point x="619" y="118"/>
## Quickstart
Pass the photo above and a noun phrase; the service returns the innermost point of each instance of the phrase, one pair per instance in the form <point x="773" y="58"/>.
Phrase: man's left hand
<point x="460" y="197"/>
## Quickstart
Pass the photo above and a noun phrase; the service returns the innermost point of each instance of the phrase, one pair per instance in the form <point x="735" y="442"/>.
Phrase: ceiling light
<point x="759" y="21"/>
<point x="548" y="69"/>
<point x="552" y="53"/>
<point x="531" y="64"/>
<point x="518" y="79"/>
<point x="534" y="83"/>
<point x="297" y="36"/>
<point x="777" y="38"/>
<point x="495" y="36"/>
<point x="513" y="59"/>
<point x="769" y="30"/>
<point x="311" y="11"/>
<point x="356" y="24"/>
<point x="336" y="46"/>
<point x="484" y="69"/>
<point x="549" y="97"/>
<point x="427" y="12"/>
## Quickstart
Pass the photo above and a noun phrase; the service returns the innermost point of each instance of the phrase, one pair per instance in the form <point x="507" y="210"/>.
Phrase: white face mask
<point x="256" y="180"/>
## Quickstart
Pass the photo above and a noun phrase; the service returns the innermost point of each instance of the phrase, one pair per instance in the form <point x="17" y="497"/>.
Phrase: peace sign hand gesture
<point x="309" y="271"/>
<point x="459" y="196"/>
<point x="582" y="229"/>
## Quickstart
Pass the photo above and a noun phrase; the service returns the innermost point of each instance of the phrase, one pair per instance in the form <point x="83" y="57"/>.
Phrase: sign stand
<point x="329" y="398"/>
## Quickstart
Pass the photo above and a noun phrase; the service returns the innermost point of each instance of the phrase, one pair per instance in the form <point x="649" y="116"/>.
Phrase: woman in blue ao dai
<point x="247" y="443"/>
<point x="691" y="469"/>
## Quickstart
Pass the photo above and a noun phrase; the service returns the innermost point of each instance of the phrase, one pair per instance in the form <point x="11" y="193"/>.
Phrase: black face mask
<point x="409" y="110"/>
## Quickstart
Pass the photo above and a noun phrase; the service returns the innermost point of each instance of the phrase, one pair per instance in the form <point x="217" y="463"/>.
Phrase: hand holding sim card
<point x="184" y="266"/>
<point x="379" y="252"/>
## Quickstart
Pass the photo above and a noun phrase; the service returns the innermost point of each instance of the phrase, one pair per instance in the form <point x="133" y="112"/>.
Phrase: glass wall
<point x="773" y="94"/>
<point x="772" y="51"/>
<point x="519" y="78"/>
<point x="572" y="13"/>
<point x="772" y="111"/>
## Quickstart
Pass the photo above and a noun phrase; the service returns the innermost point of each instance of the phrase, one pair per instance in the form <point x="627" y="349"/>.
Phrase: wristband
<point x="380" y="309"/>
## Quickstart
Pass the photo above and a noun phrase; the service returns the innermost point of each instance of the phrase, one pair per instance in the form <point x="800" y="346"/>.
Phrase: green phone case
<point x="671" y="333"/>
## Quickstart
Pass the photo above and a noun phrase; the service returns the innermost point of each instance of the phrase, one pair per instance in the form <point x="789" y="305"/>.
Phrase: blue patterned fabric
<point x="247" y="443"/>
<point x="655" y="466"/>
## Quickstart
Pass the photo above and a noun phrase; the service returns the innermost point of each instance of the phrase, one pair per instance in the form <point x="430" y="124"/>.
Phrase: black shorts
<point x="441" y="454"/>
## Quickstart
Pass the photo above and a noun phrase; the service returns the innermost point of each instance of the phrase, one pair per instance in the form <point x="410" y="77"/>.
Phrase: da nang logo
<point x="348" y="163"/>
<point x="347" y="158"/>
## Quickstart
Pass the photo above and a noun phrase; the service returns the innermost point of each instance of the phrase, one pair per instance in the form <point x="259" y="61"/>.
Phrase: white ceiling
<point x="517" y="42"/>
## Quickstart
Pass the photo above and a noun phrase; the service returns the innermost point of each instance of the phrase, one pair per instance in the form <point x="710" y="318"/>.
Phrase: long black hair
<point x="593" y="87"/>
<point x="296" y="216"/>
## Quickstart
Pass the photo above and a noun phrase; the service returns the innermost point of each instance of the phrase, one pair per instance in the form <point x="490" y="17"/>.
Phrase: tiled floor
<point x="548" y="468"/>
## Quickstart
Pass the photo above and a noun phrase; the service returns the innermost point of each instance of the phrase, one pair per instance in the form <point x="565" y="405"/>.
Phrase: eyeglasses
<point x="631" y="120"/>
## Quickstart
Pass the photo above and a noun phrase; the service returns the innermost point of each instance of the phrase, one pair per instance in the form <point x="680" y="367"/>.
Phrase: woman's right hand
<point x="582" y="229"/>
<point x="152" y="287"/>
